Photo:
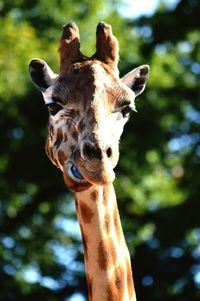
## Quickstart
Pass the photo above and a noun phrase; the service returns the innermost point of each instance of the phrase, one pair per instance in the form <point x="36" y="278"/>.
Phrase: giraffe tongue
<point x="76" y="172"/>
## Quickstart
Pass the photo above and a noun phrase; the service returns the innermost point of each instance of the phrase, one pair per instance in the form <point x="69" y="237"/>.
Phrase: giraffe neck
<point x="107" y="260"/>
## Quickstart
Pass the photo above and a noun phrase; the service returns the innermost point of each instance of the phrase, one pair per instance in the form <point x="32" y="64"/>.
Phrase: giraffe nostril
<point x="92" y="151"/>
<point x="109" y="152"/>
<point x="88" y="151"/>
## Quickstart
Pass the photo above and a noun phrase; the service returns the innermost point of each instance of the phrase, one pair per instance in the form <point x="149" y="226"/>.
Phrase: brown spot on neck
<point x="107" y="254"/>
<point x="116" y="288"/>
<point x="94" y="195"/>
<point x="120" y="281"/>
<point x="86" y="213"/>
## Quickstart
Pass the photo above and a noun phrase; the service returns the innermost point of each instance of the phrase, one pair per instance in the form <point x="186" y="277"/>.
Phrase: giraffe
<point x="88" y="107"/>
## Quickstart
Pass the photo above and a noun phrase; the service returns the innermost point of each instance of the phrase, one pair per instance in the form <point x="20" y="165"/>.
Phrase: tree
<point x="158" y="183"/>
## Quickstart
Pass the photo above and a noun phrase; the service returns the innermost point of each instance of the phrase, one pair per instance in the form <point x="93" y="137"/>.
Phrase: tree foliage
<point x="158" y="182"/>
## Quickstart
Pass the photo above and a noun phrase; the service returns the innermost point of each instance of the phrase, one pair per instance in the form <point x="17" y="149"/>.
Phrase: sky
<point x="136" y="8"/>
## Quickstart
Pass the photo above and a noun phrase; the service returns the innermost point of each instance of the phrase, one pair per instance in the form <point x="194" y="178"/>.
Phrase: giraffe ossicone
<point x="88" y="107"/>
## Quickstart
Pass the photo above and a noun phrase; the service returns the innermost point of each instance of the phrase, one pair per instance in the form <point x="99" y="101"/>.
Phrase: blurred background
<point x="158" y="176"/>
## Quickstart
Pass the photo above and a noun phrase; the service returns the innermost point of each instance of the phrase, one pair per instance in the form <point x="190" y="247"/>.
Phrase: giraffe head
<point x="88" y="107"/>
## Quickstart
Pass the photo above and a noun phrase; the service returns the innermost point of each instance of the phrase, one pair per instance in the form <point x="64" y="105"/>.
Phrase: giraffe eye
<point x="54" y="108"/>
<point x="125" y="111"/>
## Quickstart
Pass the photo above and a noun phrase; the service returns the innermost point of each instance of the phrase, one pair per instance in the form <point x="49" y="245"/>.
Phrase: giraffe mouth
<point x="99" y="177"/>
<point x="74" y="173"/>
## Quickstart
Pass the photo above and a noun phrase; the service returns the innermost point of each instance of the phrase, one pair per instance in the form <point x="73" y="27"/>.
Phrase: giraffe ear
<point x="41" y="74"/>
<point x="136" y="79"/>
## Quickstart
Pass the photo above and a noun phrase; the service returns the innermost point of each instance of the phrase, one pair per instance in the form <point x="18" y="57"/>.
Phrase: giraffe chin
<point x="100" y="179"/>
<point x="80" y="179"/>
<point x="102" y="175"/>
<point x="75" y="186"/>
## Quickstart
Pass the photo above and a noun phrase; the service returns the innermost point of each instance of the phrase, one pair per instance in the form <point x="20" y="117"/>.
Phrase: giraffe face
<point x="88" y="105"/>
<point x="88" y="109"/>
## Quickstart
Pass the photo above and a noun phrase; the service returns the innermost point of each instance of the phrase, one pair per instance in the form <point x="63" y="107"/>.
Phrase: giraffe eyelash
<point x="125" y="111"/>
<point x="56" y="99"/>
<point x="54" y="108"/>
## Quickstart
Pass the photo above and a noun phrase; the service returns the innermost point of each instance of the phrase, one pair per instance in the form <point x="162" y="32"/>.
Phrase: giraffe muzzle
<point x="92" y="151"/>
